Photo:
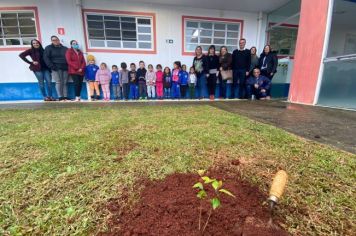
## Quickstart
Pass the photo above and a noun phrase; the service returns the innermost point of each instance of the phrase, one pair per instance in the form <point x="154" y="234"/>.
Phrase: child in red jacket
<point x="159" y="81"/>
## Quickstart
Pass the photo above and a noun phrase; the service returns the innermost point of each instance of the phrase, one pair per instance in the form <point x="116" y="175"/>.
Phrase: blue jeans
<point x="228" y="89"/>
<point x="225" y="89"/>
<point x="167" y="92"/>
<point x="201" y="86"/>
<point x="43" y="76"/>
<point x="239" y="84"/>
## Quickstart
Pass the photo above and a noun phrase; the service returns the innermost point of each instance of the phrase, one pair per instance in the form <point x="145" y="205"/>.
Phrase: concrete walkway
<point x="325" y="125"/>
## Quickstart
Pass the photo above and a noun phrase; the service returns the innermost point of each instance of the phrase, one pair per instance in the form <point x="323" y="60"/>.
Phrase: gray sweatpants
<point x="61" y="79"/>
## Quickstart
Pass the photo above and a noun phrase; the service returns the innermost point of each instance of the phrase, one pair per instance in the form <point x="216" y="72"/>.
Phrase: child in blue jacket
<point x="184" y="77"/>
<point x="90" y="73"/>
<point x="115" y="82"/>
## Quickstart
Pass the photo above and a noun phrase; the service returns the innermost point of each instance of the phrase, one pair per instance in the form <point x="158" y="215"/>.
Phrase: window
<point x="120" y="31"/>
<point x="283" y="39"/>
<point x="17" y="28"/>
<point x="206" y="32"/>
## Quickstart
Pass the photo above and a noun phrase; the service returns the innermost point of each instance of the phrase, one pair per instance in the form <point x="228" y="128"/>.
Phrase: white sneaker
<point x="77" y="99"/>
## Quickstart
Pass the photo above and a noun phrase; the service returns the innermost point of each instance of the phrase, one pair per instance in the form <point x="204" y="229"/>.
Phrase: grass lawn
<point x="58" y="168"/>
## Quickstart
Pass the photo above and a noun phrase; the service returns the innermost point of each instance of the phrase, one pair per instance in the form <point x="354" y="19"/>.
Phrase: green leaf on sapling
<point x="198" y="185"/>
<point x="215" y="184"/>
<point x="226" y="192"/>
<point x="202" y="194"/>
<point x="201" y="172"/>
<point x="215" y="202"/>
<point x="207" y="180"/>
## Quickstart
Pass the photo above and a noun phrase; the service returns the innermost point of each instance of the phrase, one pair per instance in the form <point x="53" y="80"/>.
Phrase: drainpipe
<point x="79" y="10"/>
<point x="259" y="29"/>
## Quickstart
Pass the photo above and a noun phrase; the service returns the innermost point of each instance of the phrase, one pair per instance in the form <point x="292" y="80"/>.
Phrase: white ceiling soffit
<point x="238" y="5"/>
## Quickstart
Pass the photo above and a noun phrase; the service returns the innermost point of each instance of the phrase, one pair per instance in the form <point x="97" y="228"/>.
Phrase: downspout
<point x="79" y="10"/>
<point x="259" y="29"/>
<point x="78" y="4"/>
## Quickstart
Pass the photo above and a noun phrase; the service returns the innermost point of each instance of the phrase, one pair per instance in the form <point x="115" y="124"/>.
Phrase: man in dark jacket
<point x="241" y="63"/>
<point x="258" y="85"/>
<point x="54" y="57"/>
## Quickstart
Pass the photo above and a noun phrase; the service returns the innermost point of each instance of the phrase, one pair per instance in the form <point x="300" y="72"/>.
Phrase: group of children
<point x="141" y="83"/>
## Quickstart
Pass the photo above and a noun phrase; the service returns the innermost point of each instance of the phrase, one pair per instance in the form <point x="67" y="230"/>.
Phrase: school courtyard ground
<point x="71" y="168"/>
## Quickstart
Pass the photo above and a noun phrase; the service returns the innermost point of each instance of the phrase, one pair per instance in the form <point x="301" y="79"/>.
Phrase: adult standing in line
<point x="76" y="67"/>
<point x="39" y="68"/>
<point x="254" y="59"/>
<point x="225" y="61"/>
<point x="241" y="63"/>
<point x="268" y="63"/>
<point x="213" y="71"/>
<point x="55" y="58"/>
<point x="201" y="66"/>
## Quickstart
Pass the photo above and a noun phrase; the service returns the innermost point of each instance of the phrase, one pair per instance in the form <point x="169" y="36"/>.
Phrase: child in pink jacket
<point x="103" y="77"/>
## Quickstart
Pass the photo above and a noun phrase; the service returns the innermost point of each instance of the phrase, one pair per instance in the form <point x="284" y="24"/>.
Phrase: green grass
<point x="58" y="168"/>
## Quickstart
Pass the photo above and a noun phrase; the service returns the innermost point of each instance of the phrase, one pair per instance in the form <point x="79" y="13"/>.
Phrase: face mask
<point x="75" y="46"/>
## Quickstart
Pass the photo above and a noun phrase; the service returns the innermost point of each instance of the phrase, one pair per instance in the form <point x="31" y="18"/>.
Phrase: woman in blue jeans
<point x="39" y="68"/>
<point x="201" y="66"/>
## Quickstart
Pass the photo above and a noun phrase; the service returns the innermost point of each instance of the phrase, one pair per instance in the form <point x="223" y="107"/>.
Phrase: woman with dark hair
<point x="225" y="61"/>
<point x="39" y="68"/>
<point x="201" y="67"/>
<point x="55" y="58"/>
<point x="268" y="63"/>
<point x="76" y="67"/>
<point x="213" y="71"/>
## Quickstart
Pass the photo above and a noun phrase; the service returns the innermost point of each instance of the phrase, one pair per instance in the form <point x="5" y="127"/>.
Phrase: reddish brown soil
<point x="170" y="207"/>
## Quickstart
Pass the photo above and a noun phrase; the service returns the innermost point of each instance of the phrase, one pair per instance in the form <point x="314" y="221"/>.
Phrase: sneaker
<point x="77" y="99"/>
<point x="47" y="99"/>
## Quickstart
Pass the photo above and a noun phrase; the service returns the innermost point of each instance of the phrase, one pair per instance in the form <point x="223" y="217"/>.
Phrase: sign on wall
<point x="61" y="31"/>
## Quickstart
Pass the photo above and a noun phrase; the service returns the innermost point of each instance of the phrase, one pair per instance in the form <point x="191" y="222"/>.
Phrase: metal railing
<point x="349" y="57"/>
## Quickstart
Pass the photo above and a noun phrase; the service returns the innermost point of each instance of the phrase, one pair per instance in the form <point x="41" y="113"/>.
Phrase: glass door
<point x="338" y="84"/>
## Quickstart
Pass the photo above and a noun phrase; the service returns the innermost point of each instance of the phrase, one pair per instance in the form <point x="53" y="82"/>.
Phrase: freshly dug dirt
<point x="170" y="207"/>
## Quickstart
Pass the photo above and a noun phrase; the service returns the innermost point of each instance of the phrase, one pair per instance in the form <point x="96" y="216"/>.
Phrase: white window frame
<point x="121" y="42"/>
<point x="21" y="39"/>
<point x="214" y="21"/>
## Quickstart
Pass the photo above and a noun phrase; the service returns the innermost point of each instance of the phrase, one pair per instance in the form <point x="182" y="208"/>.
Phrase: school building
<point x="315" y="39"/>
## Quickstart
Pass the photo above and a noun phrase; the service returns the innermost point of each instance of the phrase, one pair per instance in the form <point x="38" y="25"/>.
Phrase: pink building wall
<point x="309" y="50"/>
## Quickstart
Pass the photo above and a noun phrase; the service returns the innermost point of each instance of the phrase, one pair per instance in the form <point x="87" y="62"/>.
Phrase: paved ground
<point x="329" y="126"/>
<point x="325" y="125"/>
